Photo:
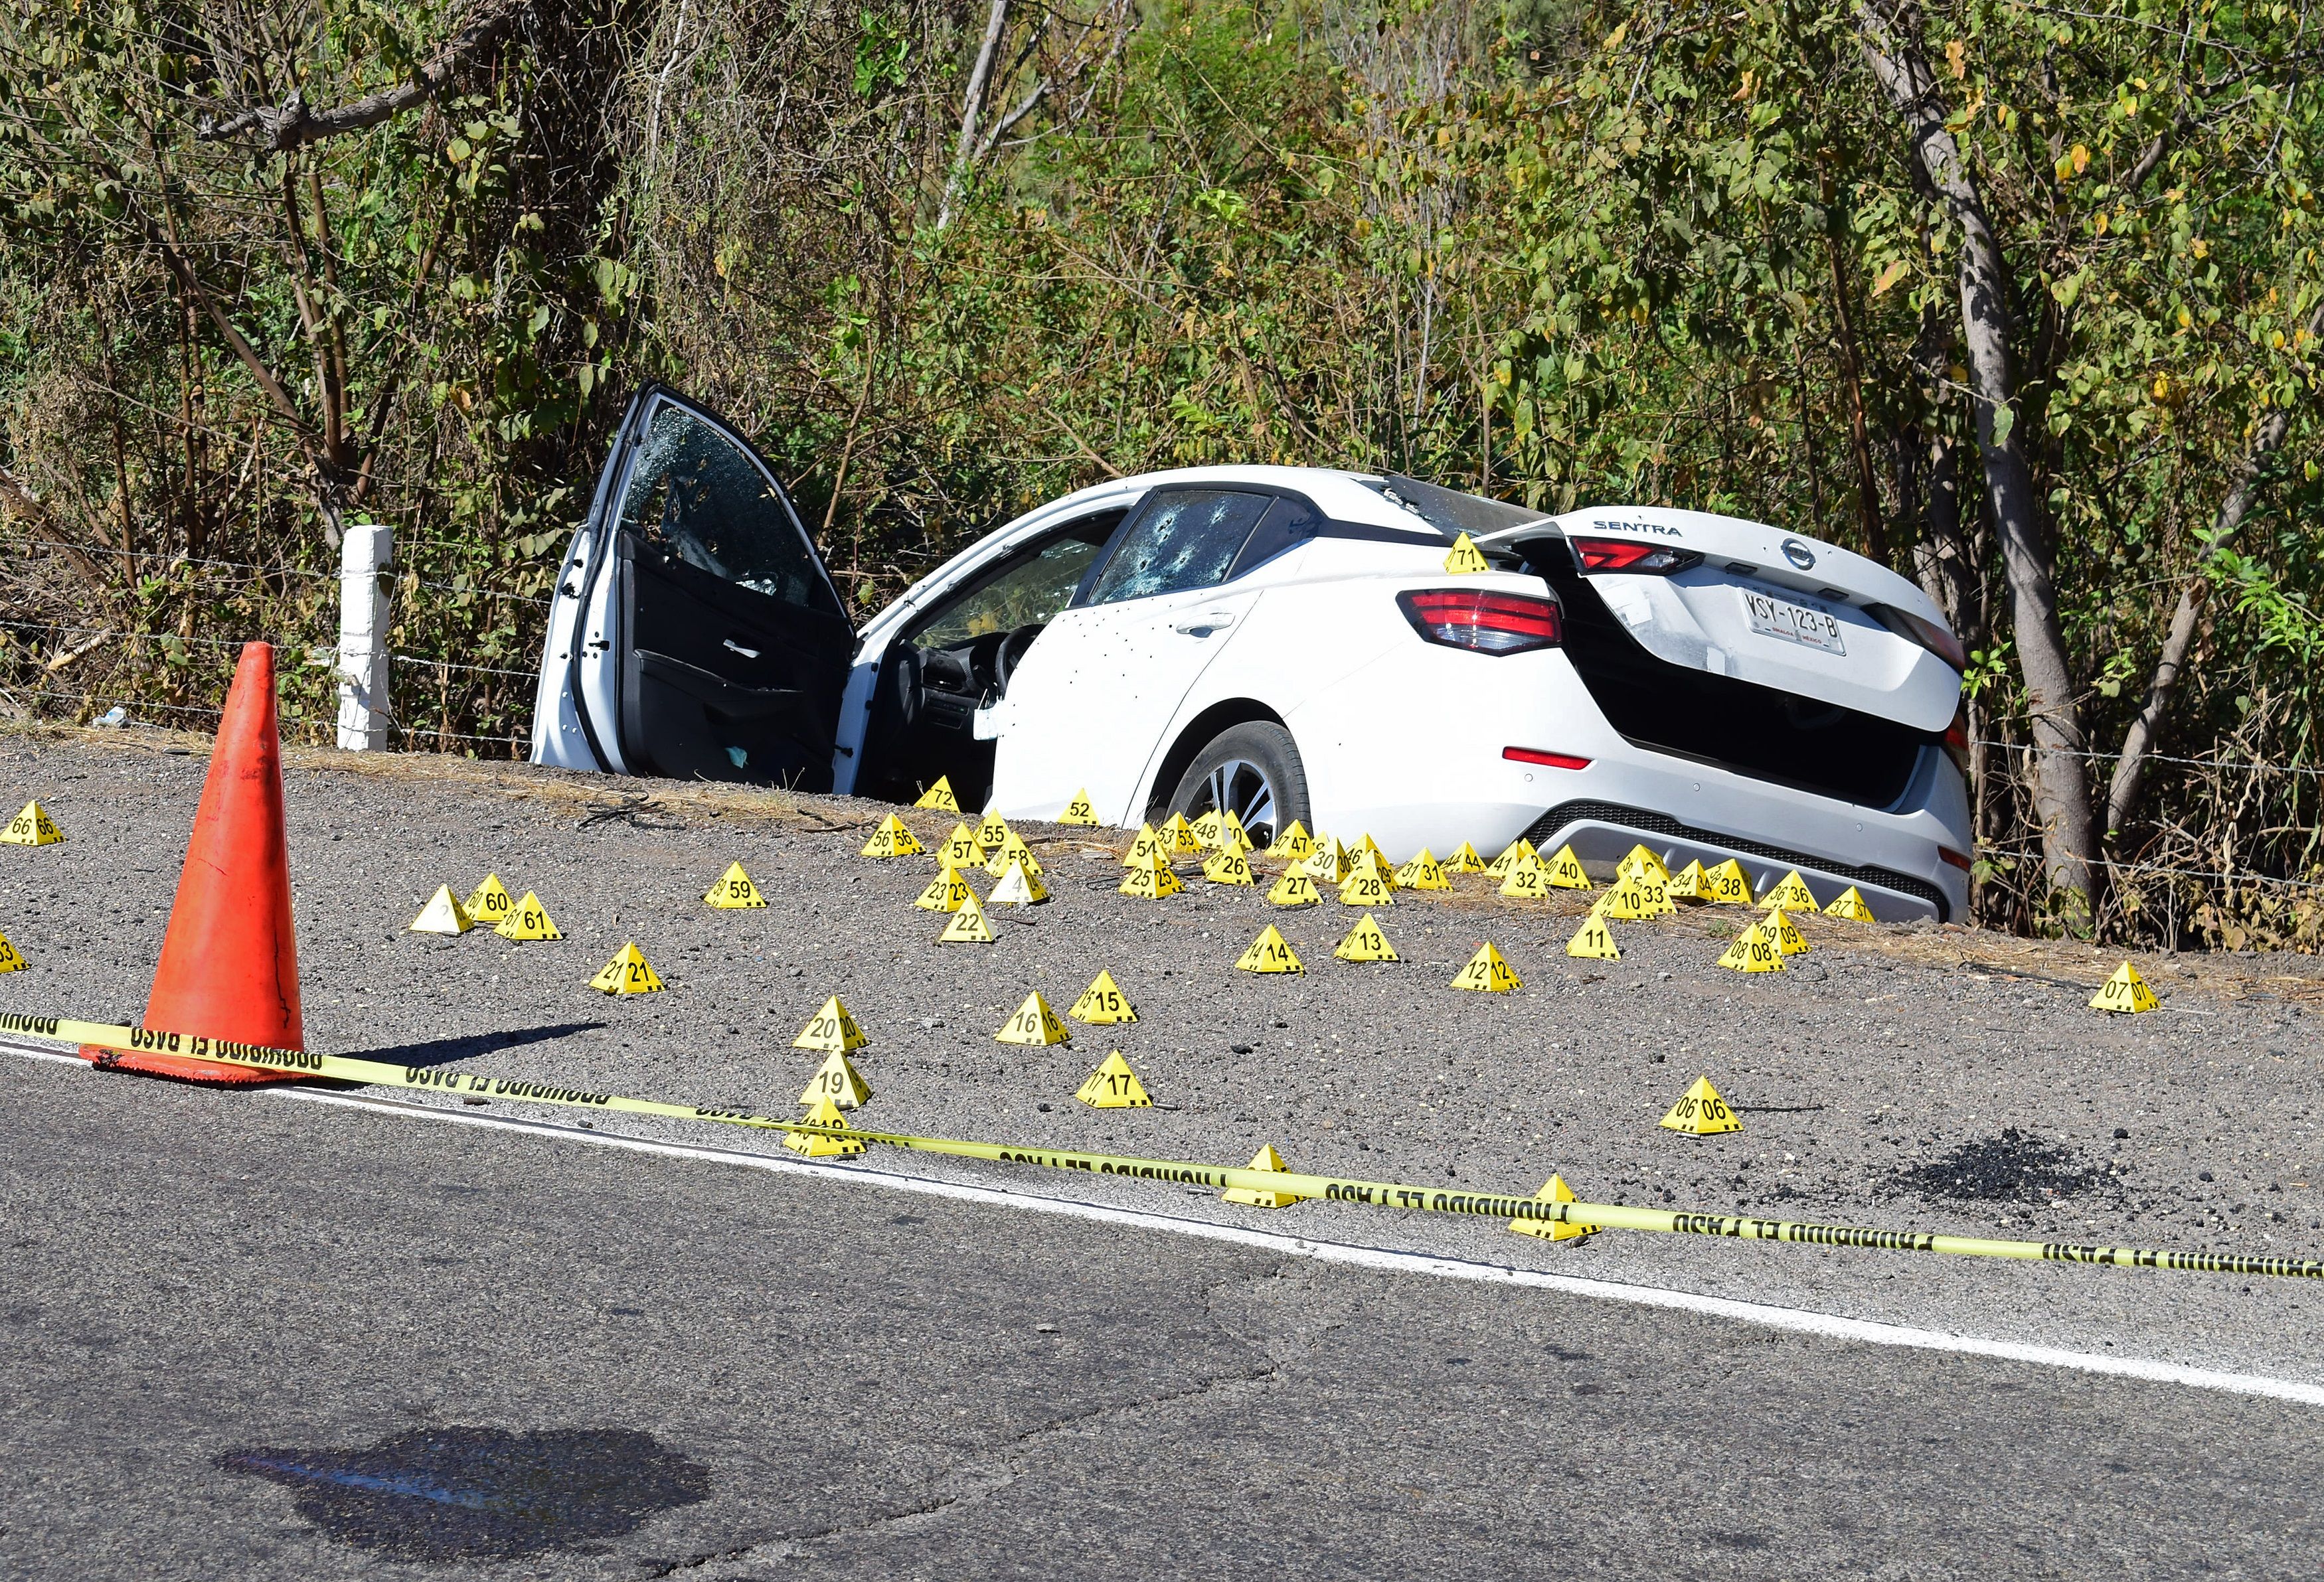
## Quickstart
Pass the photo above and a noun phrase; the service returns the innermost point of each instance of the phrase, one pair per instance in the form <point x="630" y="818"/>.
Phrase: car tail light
<point x="1927" y="634"/>
<point x="1959" y="860"/>
<point x="1535" y="755"/>
<point x="1482" y="622"/>
<point x="1629" y="555"/>
<point x="1957" y="740"/>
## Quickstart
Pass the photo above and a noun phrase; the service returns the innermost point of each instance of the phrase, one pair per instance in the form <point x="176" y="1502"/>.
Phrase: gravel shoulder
<point x="1925" y="1079"/>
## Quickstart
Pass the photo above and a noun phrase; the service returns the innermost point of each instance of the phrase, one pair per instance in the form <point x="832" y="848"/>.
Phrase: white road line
<point x="1799" y="1320"/>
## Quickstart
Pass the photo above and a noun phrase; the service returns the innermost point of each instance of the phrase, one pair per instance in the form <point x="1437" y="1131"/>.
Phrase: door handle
<point x="738" y="647"/>
<point x="1209" y="620"/>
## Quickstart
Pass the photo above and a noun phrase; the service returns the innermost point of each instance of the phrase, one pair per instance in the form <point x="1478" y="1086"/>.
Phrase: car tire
<point x="1257" y="765"/>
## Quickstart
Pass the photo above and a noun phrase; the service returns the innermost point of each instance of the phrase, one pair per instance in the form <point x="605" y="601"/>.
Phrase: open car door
<point x="694" y="633"/>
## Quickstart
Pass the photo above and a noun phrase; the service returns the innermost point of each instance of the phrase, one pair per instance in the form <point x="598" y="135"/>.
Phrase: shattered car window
<point x="1181" y="539"/>
<point x="1027" y="593"/>
<point x="693" y="495"/>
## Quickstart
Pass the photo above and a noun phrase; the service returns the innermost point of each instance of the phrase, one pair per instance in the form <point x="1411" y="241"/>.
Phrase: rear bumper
<point x="1603" y="832"/>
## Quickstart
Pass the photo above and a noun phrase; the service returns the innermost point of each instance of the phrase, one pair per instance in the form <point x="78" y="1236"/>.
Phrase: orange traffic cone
<point x="230" y="963"/>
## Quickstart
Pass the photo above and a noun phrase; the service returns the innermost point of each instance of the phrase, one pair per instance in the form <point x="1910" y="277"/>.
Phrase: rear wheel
<point x="1252" y="770"/>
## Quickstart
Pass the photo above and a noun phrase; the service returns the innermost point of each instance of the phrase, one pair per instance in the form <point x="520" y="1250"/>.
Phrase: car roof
<point x="1344" y="495"/>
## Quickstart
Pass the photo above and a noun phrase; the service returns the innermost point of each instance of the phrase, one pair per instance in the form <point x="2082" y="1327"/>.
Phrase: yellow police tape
<point x="1330" y="1189"/>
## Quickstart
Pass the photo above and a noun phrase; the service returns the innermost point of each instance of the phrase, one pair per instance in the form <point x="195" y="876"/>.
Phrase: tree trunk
<point x="2062" y="789"/>
<point x="2130" y="770"/>
<point x="996" y="23"/>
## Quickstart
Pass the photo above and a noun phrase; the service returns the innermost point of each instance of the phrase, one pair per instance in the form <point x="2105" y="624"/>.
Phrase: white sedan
<point x="1287" y="642"/>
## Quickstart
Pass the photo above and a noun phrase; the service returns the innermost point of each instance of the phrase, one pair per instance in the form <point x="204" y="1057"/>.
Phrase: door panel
<point x="732" y="646"/>
<point x="1088" y="706"/>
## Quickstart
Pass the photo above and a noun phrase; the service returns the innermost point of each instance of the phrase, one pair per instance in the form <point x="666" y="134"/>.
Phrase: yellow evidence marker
<point x="1526" y="879"/>
<point x="1011" y="849"/>
<point x="1295" y="889"/>
<point x="1230" y="832"/>
<point x="528" y="919"/>
<point x="1756" y="949"/>
<point x="992" y="830"/>
<point x="1366" y="846"/>
<point x="1849" y="904"/>
<point x="961" y="849"/>
<point x="1465" y="860"/>
<point x="1487" y="972"/>
<point x="1366" y="942"/>
<point x="836" y="1082"/>
<point x="1206" y="830"/>
<point x="1726" y="885"/>
<point x="1019" y="886"/>
<point x="1293" y="842"/>
<point x="1593" y="941"/>
<point x="1183" y="841"/>
<point x="1268" y="1160"/>
<point x="947" y="892"/>
<point x="1686" y="883"/>
<point x="1779" y="923"/>
<point x="1228" y="865"/>
<point x="734" y="892"/>
<point x="833" y="1028"/>
<point x="1564" y="872"/>
<point x="442" y="915"/>
<point x="1151" y="877"/>
<point x="891" y="839"/>
<point x="12" y="960"/>
<point x="1702" y="1112"/>
<point x="1511" y="855"/>
<point x="938" y="797"/>
<point x="1329" y="863"/>
<point x="1424" y="872"/>
<point x="1791" y="893"/>
<point x="1103" y="1004"/>
<point x="1114" y="1086"/>
<point x="1368" y="884"/>
<point x="1642" y="862"/>
<point x="627" y="973"/>
<point x="32" y="827"/>
<point x="1269" y="952"/>
<point x="1465" y="558"/>
<point x="2126" y="992"/>
<point x="822" y="1144"/>
<point x="968" y="926"/>
<point x="1554" y="1190"/>
<point x="1143" y="845"/>
<point x="489" y="902"/>
<point x="1034" y="1023"/>
<point x="1079" y="811"/>
<point x="1627" y="901"/>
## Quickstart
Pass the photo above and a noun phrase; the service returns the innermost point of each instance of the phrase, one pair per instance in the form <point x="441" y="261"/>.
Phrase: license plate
<point x="1794" y="623"/>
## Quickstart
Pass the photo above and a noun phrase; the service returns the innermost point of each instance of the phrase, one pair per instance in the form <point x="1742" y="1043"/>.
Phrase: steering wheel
<point x="1013" y="649"/>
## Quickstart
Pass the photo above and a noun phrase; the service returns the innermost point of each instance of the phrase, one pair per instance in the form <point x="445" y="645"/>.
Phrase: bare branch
<point x="292" y="124"/>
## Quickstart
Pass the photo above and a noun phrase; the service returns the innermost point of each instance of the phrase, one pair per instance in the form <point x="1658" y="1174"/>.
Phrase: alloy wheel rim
<point x="1242" y="787"/>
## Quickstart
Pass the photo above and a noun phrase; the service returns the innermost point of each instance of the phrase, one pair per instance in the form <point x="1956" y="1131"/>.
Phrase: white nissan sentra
<point x="1287" y="642"/>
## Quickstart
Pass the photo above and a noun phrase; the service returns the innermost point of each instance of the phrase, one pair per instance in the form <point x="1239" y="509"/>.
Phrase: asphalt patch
<point x="472" y="1493"/>
<point x="2012" y="1168"/>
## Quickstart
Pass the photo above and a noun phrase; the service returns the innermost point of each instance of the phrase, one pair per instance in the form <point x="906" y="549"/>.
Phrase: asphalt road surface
<point x="253" y="1335"/>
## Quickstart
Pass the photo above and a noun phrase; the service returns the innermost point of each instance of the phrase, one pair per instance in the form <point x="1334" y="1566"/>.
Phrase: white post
<point x="364" y="718"/>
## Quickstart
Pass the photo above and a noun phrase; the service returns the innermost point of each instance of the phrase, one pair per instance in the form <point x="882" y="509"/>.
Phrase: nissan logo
<point x="1798" y="554"/>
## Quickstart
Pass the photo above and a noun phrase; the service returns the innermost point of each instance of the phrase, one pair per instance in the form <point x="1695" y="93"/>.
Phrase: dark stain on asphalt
<point x="2010" y="1168"/>
<point x="439" y="1051"/>
<point x="444" y="1494"/>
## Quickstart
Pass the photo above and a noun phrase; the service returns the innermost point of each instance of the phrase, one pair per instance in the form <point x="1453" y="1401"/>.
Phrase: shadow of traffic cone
<point x="229" y="963"/>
